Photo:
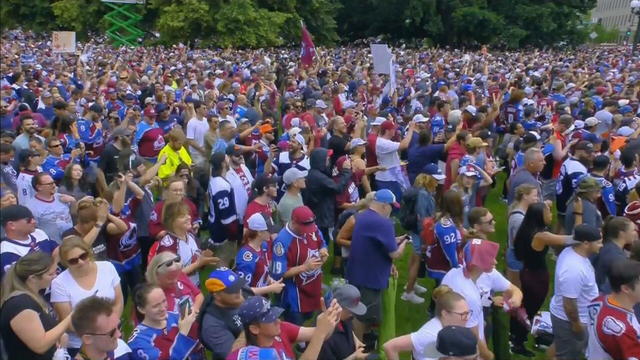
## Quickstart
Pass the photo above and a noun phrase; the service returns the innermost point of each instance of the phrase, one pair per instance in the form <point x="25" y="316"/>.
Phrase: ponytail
<point x="14" y="283"/>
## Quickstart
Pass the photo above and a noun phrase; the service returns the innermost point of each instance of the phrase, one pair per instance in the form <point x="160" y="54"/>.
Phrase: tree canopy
<point x="261" y="23"/>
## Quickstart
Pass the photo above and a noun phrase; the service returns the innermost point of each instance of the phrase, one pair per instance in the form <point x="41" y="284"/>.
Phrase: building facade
<point x="615" y="14"/>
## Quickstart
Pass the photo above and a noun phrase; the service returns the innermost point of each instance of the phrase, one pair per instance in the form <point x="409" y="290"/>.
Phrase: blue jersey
<point x="445" y="253"/>
<point x="92" y="137"/>
<point x="168" y="343"/>
<point x="253" y="265"/>
<point x="608" y="198"/>
<point x="302" y="292"/>
<point x="222" y="208"/>
<point x="571" y="172"/>
<point x="55" y="165"/>
<point x="437" y="125"/>
<point x="12" y="250"/>
<point x="624" y="187"/>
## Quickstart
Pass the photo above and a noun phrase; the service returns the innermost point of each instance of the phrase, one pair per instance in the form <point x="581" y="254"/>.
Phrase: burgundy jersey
<point x="614" y="332"/>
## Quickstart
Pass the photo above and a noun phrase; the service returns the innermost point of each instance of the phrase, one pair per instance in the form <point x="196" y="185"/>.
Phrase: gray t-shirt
<point x="286" y="206"/>
<point x="609" y="254"/>
<point x="590" y="215"/>
<point x="515" y="220"/>
<point x="521" y="176"/>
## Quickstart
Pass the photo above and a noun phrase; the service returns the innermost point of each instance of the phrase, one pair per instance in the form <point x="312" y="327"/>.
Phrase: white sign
<point x="593" y="35"/>
<point x="381" y="58"/>
<point x="64" y="42"/>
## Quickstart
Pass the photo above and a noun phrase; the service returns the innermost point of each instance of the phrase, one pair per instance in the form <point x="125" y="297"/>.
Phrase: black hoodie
<point x="321" y="191"/>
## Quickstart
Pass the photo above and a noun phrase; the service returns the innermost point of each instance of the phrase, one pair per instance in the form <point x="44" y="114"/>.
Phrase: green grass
<point x="410" y="317"/>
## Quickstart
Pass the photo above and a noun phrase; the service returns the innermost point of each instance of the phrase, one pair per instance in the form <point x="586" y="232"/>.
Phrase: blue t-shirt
<point x="420" y="156"/>
<point x="373" y="240"/>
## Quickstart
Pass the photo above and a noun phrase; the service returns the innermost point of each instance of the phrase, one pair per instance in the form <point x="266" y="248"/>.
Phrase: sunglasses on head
<point x="76" y="260"/>
<point x="169" y="263"/>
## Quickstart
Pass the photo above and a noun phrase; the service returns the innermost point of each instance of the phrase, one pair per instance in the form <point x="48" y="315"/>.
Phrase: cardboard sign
<point x="64" y="42"/>
<point x="381" y="58"/>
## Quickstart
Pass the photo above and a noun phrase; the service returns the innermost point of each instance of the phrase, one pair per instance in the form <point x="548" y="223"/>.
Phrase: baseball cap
<point x="46" y="94"/>
<point x="623" y="102"/>
<point x="233" y="150"/>
<point x="120" y="131"/>
<point x="385" y="196"/>
<point x="161" y="107"/>
<point x="530" y="138"/>
<point x="257" y="353"/>
<point x="625" y="131"/>
<point x="625" y="109"/>
<point x="388" y="125"/>
<point x="476" y="142"/>
<point x="586" y="232"/>
<point x="419" y="118"/>
<point x="357" y="142"/>
<point x="588" y="184"/>
<point x="193" y="82"/>
<point x="320" y="104"/>
<point x="579" y="124"/>
<point x="434" y="171"/>
<point x="348" y="296"/>
<point x="471" y="109"/>
<point x="304" y="218"/>
<point x="450" y="128"/>
<point x="292" y="174"/>
<point x="591" y="121"/>
<point x="468" y="170"/>
<point x="129" y="96"/>
<point x="481" y="253"/>
<point x="455" y="341"/>
<point x="584" y="145"/>
<point x="378" y="121"/>
<point x="257" y="309"/>
<point x="224" y="279"/>
<point x="149" y="112"/>
<point x="266" y="128"/>
<point x="15" y="213"/>
<point x="257" y="222"/>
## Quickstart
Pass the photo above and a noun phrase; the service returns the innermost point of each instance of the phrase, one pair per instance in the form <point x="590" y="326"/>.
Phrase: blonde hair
<point x="426" y="182"/>
<point x="35" y="263"/>
<point x="171" y="211"/>
<point x="73" y="242"/>
<point x="176" y="134"/>
<point x="152" y="269"/>
<point x="445" y="299"/>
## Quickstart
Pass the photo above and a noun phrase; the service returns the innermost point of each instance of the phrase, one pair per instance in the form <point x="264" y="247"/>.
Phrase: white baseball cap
<point x="257" y="223"/>
<point x="378" y="121"/>
<point x="419" y="118"/>
<point x="471" y="109"/>
<point x="293" y="174"/>
<point x="357" y="142"/>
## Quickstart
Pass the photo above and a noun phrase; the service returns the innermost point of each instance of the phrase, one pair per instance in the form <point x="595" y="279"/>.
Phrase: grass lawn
<point x="410" y="317"/>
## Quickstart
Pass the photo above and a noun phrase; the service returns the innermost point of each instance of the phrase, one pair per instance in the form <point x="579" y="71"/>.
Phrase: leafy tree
<point x="81" y="16"/>
<point x="241" y="23"/>
<point x="32" y="15"/>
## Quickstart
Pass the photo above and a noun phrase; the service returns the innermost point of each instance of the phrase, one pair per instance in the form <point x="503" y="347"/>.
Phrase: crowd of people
<point x="214" y="190"/>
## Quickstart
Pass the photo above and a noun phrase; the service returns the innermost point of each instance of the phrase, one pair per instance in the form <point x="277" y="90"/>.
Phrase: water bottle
<point x="61" y="354"/>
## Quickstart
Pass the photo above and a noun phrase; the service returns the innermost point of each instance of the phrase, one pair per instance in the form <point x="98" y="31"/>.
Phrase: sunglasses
<point x="55" y="146"/>
<point x="110" y="334"/>
<point x="169" y="263"/>
<point x="76" y="260"/>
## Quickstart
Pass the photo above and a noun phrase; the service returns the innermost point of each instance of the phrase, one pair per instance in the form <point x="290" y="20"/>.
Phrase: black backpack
<point x="407" y="214"/>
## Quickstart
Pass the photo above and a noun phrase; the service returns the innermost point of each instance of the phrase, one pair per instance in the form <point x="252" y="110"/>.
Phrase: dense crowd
<point x="210" y="188"/>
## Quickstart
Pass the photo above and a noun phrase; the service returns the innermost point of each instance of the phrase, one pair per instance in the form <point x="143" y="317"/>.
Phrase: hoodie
<point x="321" y="191"/>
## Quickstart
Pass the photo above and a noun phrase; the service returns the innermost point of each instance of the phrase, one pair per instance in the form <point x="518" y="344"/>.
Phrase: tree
<point x="241" y="23"/>
<point x="33" y="15"/>
<point x="81" y="16"/>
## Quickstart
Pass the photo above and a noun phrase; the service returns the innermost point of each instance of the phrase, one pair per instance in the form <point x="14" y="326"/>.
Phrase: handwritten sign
<point x="64" y="42"/>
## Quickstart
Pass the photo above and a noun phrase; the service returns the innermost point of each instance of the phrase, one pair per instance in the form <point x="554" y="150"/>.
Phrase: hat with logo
<point x="385" y="196"/>
<point x="357" y="142"/>
<point x="149" y="112"/>
<point x="292" y="174"/>
<point x="468" y="170"/>
<point x="591" y="121"/>
<point x="304" y="218"/>
<point x="434" y="171"/>
<point x="586" y="232"/>
<point x="257" y="222"/>
<point x="224" y="279"/>
<point x="453" y="341"/>
<point x="15" y="213"/>
<point x="348" y="297"/>
<point x="257" y="309"/>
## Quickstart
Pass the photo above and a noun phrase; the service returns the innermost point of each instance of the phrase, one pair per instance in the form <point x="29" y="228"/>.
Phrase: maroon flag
<point x="307" y="49"/>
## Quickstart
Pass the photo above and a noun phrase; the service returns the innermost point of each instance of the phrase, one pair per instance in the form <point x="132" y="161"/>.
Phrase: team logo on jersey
<point x="166" y="241"/>
<point x="153" y="216"/>
<point x="128" y="240"/>
<point x="247" y="256"/>
<point x="159" y="143"/>
<point x="309" y="276"/>
<point x="278" y="249"/>
<point x="613" y="326"/>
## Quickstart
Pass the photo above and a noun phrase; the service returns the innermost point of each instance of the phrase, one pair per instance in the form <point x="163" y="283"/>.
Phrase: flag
<point x="307" y="49"/>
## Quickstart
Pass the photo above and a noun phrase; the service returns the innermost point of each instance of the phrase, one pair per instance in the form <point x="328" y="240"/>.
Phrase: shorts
<point x="416" y="242"/>
<point x="372" y="299"/>
<point x="549" y="189"/>
<point x="513" y="264"/>
<point x="569" y="345"/>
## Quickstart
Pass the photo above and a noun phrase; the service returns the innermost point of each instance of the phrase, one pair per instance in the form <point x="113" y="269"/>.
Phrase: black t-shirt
<point x="16" y="349"/>
<point x="99" y="246"/>
<point x="109" y="162"/>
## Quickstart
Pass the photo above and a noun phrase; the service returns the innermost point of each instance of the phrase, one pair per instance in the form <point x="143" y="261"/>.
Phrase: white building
<point x="615" y="14"/>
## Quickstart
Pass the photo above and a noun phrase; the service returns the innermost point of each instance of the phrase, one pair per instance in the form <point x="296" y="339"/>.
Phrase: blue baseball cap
<point x="161" y="107"/>
<point x="257" y="309"/>
<point x="387" y="197"/>
<point x="434" y="171"/>
<point x="257" y="353"/>
<point x="129" y="96"/>
<point x="625" y="109"/>
<point x="224" y="279"/>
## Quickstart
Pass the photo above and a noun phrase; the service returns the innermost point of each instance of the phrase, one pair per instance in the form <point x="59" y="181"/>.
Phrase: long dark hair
<point x="532" y="223"/>
<point x="453" y="206"/>
<point x="68" y="183"/>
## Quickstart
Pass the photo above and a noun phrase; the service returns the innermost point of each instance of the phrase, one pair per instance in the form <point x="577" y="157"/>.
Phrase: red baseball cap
<point x="149" y="112"/>
<point x="304" y="218"/>
<point x="388" y="125"/>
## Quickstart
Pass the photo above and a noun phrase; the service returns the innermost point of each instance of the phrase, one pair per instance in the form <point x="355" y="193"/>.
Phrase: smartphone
<point x="185" y="307"/>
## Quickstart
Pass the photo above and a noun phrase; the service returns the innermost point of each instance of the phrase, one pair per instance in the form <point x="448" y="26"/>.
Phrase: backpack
<point x="407" y="215"/>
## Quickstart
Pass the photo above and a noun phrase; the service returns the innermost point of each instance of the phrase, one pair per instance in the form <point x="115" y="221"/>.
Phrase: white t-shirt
<point x="575" y="279"/>
<point x="188" y="251"/>
<point x="425" y="336"/>
<point x="196" y="130"/>
<point x="25" y="189"/>
<point x="388" y="157"/>
<point x="53" y="216"/>
<point x="475" y="293"/>
<point x="64" y="288"/>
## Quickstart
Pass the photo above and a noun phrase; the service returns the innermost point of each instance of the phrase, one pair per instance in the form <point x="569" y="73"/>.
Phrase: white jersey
<point x="25" y="189"/>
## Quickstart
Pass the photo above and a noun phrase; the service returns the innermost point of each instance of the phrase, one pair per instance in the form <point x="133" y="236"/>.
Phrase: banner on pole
<point x="64" y="42"/>
<point x="381" y="58"/>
